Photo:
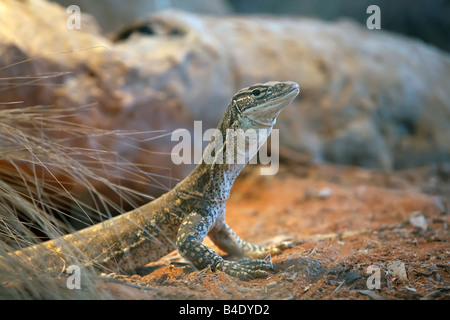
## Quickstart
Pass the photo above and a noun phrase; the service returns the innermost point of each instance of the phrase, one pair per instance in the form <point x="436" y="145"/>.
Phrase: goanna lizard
<point x="183" y="217"/>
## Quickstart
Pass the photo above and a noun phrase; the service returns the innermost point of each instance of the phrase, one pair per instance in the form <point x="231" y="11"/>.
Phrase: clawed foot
<point x="245" y="269"/>
<point x="248" y="269"/>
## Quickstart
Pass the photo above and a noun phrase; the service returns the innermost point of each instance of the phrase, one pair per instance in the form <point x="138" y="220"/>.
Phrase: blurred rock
<point x="397" y="269"/>
<point x="418" y="220"/>
<point x="368" y="98"/>
<point x="426" y="20"/>
<point x="42" y="62"/>
<point x="113" y="14"/>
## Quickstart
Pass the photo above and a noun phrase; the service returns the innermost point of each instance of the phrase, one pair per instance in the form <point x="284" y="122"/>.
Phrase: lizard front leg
<point x="193" y="231"/>
<point x="226" y="239"/>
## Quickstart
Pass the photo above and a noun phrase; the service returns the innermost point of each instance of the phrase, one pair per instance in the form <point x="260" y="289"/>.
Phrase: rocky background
<point x="423" y="19"/>
<point x="369" y="99"/>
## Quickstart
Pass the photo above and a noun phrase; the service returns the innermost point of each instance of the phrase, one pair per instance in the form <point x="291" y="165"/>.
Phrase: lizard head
<point x="259" y="105"/>
<point x="249" y="119"/>
<point x="252" y="113"/>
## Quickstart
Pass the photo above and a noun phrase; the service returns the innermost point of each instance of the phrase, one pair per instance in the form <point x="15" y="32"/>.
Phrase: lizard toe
<point x="245" y="269"/>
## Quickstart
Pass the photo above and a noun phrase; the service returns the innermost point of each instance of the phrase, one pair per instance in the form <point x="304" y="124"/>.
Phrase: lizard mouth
<point x="292" y="91"/>
<point x="294" y="87"/>
<point x="277" y="104"/>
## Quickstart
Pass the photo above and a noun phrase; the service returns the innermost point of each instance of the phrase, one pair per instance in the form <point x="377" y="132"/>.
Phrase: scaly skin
<point x="183" y="217"/>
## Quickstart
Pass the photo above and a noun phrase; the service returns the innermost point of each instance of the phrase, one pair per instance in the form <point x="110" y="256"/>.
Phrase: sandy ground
<point x="351" y="230"/>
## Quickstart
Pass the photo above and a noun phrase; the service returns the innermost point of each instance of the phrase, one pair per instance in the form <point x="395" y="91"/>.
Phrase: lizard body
<point x="183" y="217"/>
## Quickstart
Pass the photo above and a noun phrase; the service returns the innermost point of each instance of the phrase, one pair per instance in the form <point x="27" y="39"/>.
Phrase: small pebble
<point x="271" y="285"/>
<point x="324" y="193"/>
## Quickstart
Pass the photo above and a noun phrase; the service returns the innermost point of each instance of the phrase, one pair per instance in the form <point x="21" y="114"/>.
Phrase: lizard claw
<point x="245" y="269"/>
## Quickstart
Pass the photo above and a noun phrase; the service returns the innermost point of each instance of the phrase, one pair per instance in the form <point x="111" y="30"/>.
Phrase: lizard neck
<point x="223" y="159"/>
<point x="210" y="182"/>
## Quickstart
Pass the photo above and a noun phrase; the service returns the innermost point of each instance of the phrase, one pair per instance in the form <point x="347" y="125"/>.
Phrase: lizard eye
<point x="257" y="93"/>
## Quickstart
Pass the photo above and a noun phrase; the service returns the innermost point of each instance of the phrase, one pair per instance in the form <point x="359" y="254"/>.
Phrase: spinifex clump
<point x="50" y="185"/>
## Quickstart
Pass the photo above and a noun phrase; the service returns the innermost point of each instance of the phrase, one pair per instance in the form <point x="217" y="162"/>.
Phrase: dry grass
<point x="49" y="184"/>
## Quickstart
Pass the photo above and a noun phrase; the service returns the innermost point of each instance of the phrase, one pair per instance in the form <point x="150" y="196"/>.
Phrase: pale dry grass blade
<point x="41" y="167"/>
